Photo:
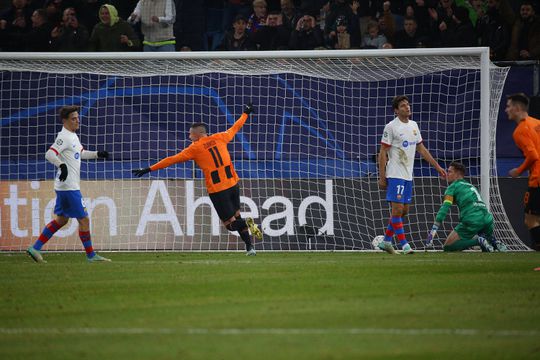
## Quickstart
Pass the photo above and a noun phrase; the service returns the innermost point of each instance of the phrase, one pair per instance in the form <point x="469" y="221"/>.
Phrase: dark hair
<point x="42" y="13"/>
<point x="240" y="17"/>
<point x="527" y="2"/>
<point x="198" y="125"/>
<point x="397" y="100"/>
<point x="410" y="18"/>
<point x="274" y="12"/>
<point x="459" y="167"/>
<point x="65" y="111"/>
<point x="520" y="98"/>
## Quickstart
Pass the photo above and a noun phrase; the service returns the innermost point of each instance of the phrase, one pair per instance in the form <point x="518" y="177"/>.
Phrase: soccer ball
<point x="376" y="241"/>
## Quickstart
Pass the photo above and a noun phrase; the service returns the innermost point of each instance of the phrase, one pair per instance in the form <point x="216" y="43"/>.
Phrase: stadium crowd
<point x="511" y="29"/>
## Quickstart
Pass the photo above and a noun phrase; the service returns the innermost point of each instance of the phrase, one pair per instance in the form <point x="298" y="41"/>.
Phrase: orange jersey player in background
<point x="210" y="153"/>
<point x="527" y="138"/>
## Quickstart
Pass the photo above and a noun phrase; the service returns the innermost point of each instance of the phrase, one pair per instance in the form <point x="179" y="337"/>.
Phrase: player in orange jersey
<point x="527" y="138"/>
<point x="210" y="153"/>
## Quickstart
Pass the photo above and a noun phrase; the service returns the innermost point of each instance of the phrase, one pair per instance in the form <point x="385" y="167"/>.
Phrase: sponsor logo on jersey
<point x="77" y="156"/>
<point x="407" y="143"/>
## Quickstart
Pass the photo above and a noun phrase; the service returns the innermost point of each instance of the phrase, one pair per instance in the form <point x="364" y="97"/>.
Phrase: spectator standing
<point x="273" y="36"/>
<point x="394" y="7"/>
<point x="289" y="15"/>
<point x="190" y="27"/>
<point x="112" y="33"/>
<point x="421" y="14"/>
<point x="123" y="7"/>
<point x="232" y="8"/>
<point x="88" y="12"/>
<point x="54" y="9"/>
<point x="459" y="34"/>
<point x="367" y="10"/>
<point x="157" y="19"/>
<point x="258" y="18"/>
<point x="410" y="36"/>
<point x="214" y="27"/>
<point x="38" y="38"/>
<point x="238" y="39"/>
<point x="70" y="35"/>
<point x="15" y="22"/>
<point x="387" y="23"/>
<point x="441" y="19"/>
<point x="525" y="43"/>
<point x="307" y="35"/>
<point x="494" y="32"/>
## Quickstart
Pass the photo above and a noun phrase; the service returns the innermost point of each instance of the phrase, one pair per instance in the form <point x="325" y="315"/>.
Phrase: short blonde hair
<point x="259" y="3"/>
<point x="372" y="24"/>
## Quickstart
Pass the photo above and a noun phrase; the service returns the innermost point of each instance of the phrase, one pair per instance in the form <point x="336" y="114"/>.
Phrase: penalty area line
<point x="267" y="331"/>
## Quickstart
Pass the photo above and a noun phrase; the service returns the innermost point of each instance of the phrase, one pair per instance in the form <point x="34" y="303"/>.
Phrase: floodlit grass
<point x="273" y="306"/>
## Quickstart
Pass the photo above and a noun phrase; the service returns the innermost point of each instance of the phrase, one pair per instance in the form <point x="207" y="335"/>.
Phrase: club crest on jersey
<point x="59" y="142"/>
<point x="414" y="132"/>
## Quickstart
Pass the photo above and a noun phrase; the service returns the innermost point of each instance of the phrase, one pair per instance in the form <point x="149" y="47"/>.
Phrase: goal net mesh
<point x="306" y="156"/>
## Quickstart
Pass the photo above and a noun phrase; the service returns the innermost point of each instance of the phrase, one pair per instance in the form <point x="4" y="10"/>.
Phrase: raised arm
<point x="239" y="123"/>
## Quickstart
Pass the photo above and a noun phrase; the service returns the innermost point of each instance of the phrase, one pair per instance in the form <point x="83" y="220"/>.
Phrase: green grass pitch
<point x="273" y="306"/>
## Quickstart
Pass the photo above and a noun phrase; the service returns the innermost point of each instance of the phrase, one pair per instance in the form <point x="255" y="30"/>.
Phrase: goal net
<point x="306" y="157"/>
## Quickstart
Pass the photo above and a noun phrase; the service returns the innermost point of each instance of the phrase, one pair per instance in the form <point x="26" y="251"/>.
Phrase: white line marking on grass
<point x="269" y="331"/>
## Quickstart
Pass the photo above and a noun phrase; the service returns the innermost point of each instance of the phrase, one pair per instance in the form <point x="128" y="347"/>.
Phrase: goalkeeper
<point x="210" y="153"/>
<point x="475" y="221"/>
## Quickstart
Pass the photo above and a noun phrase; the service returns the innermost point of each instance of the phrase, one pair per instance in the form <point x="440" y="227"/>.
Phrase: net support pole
<point x="485" y="162"/>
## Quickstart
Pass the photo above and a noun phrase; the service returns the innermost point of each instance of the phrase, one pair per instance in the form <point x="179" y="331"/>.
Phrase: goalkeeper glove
<point x="63" y="172"/>
<point x="248" y="109"/>
<point x="140" y="172"/>
<point x="431" y="234"/>
<point x="103" y="154"/>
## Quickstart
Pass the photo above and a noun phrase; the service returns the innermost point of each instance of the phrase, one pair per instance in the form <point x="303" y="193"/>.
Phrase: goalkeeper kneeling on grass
<point x="475" y="221"/>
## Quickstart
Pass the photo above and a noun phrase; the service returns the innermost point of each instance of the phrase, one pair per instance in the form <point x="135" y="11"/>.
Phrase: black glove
<point x="141" y="172"/>
<point x="103" y="154"/>
<point x="248" y="109"/>
<point x="63" y="172"/>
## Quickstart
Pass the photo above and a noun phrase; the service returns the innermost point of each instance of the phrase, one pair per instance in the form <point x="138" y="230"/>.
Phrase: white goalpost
<point x="306" y="157"/>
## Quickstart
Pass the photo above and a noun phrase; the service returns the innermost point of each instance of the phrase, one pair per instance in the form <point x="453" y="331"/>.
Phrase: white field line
<point x="267" y="331"/>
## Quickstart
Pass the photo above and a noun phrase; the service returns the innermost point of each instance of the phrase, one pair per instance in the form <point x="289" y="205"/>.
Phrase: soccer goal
<point x="306" y="157"/>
